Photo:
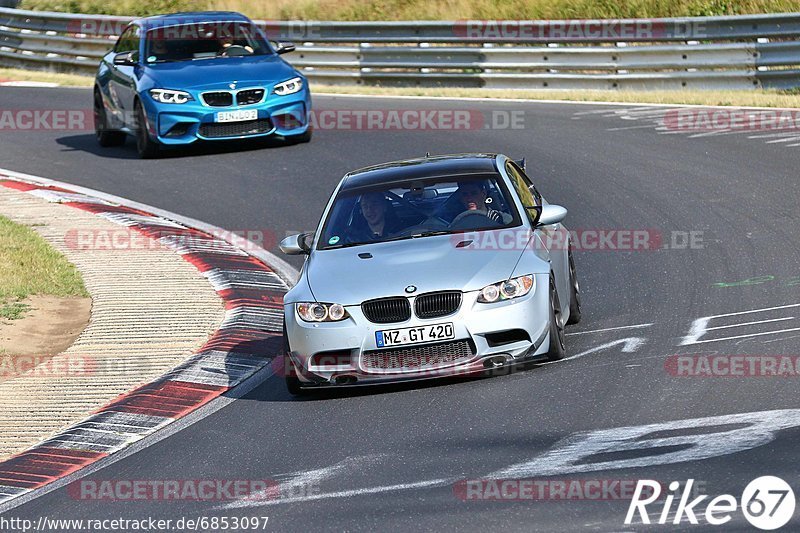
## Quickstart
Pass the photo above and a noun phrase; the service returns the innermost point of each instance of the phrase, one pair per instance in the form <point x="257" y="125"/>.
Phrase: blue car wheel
<point x="145" y="145"/>
<point x="105" y="137"/>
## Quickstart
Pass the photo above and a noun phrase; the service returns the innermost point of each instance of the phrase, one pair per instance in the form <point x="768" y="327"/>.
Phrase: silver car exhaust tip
<point x="344" y="380"/>
<point x="495" y="362"/>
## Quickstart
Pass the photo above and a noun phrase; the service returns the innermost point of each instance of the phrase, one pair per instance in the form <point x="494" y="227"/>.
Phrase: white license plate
<point x="236" y="116"/>
<point x="416" y="335"/>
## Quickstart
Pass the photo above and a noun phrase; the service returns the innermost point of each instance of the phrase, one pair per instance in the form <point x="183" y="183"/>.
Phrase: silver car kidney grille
<point x="387" y="310"/>
<point x="437" y="304"/>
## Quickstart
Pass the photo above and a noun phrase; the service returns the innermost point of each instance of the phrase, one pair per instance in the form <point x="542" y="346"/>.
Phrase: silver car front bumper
<point x="505" y="332"/>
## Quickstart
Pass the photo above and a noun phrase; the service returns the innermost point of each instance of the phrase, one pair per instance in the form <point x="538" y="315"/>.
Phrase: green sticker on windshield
<point x="333" y="240"/>
<point x="152" y="59"/>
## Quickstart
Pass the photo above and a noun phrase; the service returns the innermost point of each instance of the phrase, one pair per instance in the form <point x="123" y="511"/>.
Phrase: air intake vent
<point x="387" y="310"/>
<point x="416" y="358"/>
<point x="436" y="304"/>
<point x="236" y="129"/>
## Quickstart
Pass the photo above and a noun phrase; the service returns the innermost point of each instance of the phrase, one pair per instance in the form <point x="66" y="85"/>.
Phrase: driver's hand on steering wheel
<point x="497" y="216"/>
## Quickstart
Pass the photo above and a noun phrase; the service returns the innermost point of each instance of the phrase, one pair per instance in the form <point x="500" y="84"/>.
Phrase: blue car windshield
<point x="420" y="208"/>
<point x="211" y="40"/>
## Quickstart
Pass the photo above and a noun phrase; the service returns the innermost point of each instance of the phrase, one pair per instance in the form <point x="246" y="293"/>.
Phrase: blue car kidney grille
<point x="218" y="99"/>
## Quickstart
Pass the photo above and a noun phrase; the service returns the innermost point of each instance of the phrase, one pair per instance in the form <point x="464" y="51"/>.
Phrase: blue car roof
<point x="190" y="17"/>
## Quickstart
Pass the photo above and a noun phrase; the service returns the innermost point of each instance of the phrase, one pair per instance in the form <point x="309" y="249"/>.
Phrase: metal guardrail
<point x="737" y="52"/>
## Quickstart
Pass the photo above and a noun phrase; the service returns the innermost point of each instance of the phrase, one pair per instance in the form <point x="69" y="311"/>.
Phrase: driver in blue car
<point x="230" y="47"/>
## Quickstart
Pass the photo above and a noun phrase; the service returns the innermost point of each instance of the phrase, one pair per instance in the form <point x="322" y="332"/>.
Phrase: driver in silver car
<point x="379" y="220"/>
<point x="473" y="196"/>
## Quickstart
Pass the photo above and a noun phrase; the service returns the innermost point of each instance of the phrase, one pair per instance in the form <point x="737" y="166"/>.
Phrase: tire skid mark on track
<point x="603" y="330"/>
<point x="427" y="484"/>
<point x="246" y="342"/>
<point x="664" y="121"/>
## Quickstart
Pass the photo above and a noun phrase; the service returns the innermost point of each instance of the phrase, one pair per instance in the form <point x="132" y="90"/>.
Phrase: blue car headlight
<point x="318" y="312"/>
<point x="506" y="290"/>
<point x="169" y="96"/>
<point x="288" y="87"/>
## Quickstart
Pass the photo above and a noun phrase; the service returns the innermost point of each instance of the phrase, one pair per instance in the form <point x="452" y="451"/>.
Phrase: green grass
<point x="30" y="266"/>
<point x="73" y="80"/>
<point x="425" y="9"/>
<point x="13" y="311"/>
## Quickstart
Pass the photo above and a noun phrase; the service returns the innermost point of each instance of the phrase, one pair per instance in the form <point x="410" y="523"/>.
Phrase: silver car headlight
<point x="168" y="96"/>
<point x="506" y="290"/>
<point x="318" y="312"/>
<point x="288" y="87"/>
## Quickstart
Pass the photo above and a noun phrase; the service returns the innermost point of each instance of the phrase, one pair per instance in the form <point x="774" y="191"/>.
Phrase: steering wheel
<point x="458" y="222"/>
<point x="234" y="50"/>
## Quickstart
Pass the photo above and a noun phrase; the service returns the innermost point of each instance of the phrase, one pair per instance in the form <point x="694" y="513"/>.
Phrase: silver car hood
<point x="429" y="264"/>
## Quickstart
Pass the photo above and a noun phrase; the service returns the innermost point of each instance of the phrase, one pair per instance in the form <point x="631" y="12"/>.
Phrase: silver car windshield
<point x="418" y="209"/>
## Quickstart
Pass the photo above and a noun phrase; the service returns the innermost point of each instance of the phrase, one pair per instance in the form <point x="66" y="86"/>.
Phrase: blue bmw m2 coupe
<point x="176" y="79"/>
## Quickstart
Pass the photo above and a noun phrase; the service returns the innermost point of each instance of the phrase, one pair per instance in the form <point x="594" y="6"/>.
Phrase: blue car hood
<point x="206" y="74"/>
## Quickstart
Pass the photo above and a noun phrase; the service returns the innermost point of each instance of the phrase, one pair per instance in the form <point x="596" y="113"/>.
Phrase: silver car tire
<point x="557" y="350"/>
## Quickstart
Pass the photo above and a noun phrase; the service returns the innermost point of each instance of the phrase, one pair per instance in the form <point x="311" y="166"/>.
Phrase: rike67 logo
<point x="767" y="502"/>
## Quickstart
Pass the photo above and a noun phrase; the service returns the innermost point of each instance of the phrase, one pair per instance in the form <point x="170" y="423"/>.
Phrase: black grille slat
<point x="418" y="357"/>
<point x="249" y="96"/>
<point x="437" y="304"/>
<point x="387" y="310"/>
<point x="218" y="99"/>
<point x="235" y="129"/>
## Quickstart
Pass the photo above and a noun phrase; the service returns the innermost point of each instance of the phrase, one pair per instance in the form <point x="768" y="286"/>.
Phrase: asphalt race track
<point x="392" y="458"/>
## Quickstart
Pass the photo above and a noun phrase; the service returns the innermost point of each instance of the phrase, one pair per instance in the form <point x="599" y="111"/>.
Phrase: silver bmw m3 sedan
<point x="430" y="267"/>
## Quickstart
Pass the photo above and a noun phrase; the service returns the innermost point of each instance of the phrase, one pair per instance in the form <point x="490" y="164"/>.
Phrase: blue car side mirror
<point x="126" y="58"/>
<point x="284" y="48"/>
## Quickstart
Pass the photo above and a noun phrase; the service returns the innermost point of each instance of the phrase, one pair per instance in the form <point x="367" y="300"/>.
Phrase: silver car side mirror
<point x="551" y="214"/>
<point x="295" y="244"/>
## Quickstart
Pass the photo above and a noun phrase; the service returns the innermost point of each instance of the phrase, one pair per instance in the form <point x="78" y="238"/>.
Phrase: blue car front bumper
<point x="179" y="124"/>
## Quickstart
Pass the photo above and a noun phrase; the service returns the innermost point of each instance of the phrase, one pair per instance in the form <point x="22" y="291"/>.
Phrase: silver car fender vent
<point x="501" y="338"/>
